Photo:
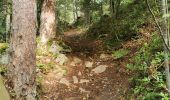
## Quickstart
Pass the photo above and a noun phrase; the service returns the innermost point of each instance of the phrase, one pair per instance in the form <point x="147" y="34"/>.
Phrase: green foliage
<point x="103" y="27"/>
<point x="3" y="69"/>
<point x="46" y="67"/>
<point x="149" y="81"/>
<point x="3" y="47"/>
<point x="120" y="53"/>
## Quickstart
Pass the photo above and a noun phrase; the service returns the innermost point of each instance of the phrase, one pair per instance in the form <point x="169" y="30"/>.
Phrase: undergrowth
<point x="149" y="81"/>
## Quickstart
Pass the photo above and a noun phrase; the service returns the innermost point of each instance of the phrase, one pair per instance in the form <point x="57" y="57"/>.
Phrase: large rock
<point x="99" y="69"/>
<point x="55" y="48"/>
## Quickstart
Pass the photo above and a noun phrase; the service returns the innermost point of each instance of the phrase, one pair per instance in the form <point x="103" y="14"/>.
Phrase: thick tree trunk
<point x="22" y="67"/>
<point x="48" y="21"/>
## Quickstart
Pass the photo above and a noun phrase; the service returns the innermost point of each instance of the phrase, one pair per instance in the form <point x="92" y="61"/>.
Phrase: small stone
<point x="64" y="81"/>
<point x="75" y="79"/>
<point x="4" y="59"/>
<point x="90" y="74"/>
<point x="72" y="63"/>
<point x="61" y="59"/>
<point x="83" y="90"/>
<point x="38" y="70"/>
<point x="59" y="75"/>
<point x="100" y="69"/>
<point x="89" y="64"/>
<point x="77" y="60"/>
<point x="103" y="56"/>
<point x="79" y="73"/>
<point x="47" y="60"/>
<point x="84" y="81"/>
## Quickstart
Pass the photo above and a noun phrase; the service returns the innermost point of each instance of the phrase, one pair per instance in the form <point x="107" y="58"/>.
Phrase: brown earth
<point x="112" y="84"/>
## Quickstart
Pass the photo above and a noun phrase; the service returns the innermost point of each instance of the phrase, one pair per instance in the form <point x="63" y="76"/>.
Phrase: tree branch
<point x="157" y="24"/>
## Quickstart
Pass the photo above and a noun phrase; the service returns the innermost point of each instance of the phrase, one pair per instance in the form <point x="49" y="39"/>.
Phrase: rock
<point x="75" y="79"/>
<point x="84" y="81"/>
<point x="72" y="63"/>
<point x="47" y="82"/>
<point x="72" y="98"/>
<point x="59" y="75"/>
<point x="89" y="64"/>
<point x="4" y="59"/>
<point x="61" y="59"/>
<point x="99" y="69"/>
<point x="38" y="70"/>
<point x="55" y="48"/>
<point x="104" y="56"/>
<point x="47" y="60"/>
<point x="64" y="81"/>
<point x="79" y="73"/>
<point x="83" y="90"/>
<point x="77" y="60"/>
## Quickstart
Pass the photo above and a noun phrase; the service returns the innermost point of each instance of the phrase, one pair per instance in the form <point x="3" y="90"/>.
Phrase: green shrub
<point x="2" y="69"/>
<point x="3" y="47"/>
<point x="120" y="53"/>
<point x="149" y="81"/>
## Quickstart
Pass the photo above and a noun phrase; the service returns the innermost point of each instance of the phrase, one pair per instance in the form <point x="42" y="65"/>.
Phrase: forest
<point x="84" y="50"/>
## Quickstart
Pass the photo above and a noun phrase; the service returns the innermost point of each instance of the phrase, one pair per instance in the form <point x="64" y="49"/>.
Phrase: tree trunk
<point x="8" y="22"/>
<point x="166" y="38"/>
<point x="111" y="9"/>
<point x="22" y="67"/>
<point x="76" y="8"/>
<point x="117" y="6"/>
<point x="74" y="11"/>
<point x="87" y="9"/>
<point x="48" y="21"/>
<point x="101" y="9"/>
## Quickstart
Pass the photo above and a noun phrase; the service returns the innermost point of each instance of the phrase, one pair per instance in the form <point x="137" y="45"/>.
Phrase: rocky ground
<point x="85" y="75"/>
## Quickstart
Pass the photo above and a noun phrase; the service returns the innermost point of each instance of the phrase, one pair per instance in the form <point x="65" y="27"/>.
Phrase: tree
<point x="87" y="8"/>
<point x="48" y="21"/>
<point x="166" y="38"/>
<point x="114" y="8"/>
<point x="164" y="33"/>
<point x="22" y="67"/>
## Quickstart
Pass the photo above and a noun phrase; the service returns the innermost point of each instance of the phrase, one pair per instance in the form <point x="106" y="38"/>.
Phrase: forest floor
<point x="90" y="72"/>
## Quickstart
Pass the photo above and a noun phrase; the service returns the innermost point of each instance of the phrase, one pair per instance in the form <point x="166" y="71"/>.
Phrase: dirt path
<point x="85" y="76"/>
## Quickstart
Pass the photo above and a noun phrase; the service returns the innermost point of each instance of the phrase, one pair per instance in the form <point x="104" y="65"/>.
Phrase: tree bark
<point x="48" y="21"/>
<point x="111" y="9"/>
<point x="87" y="9"/>
<point x="166" y="38"/>
<point x="8" y="19"/>
<point x="22" y="67"/>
